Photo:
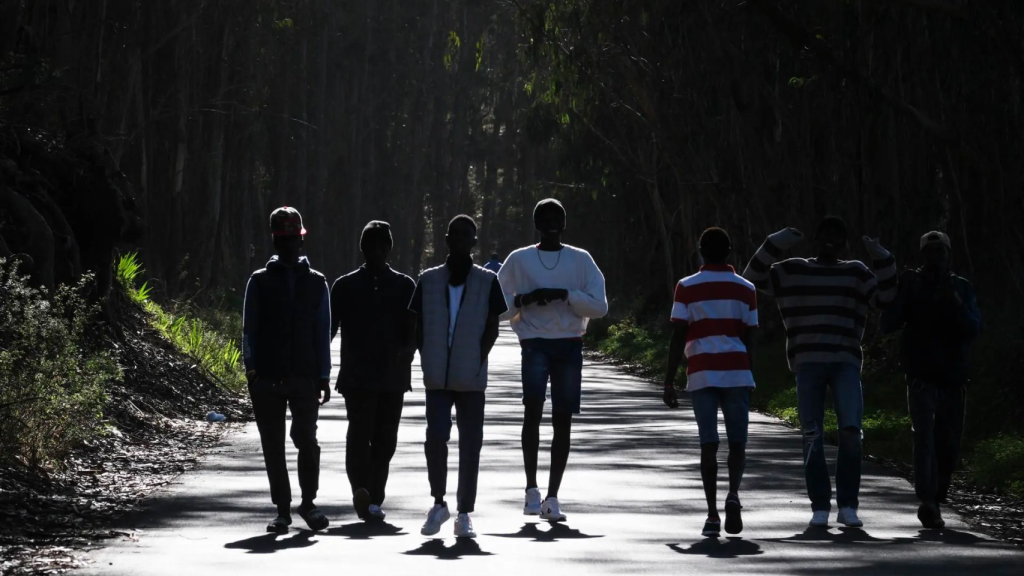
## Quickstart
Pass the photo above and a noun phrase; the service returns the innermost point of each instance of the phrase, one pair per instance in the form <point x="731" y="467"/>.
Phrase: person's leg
<point x="360" y="411"/>
<point x="469" y="416"/>
<point x="848" y="399"/>
<point x="535" y="371"/>
<point x="705" y="412"/>
<point x="736" y="413"/>
<point x="304" y="401"/>
<point x="270" y="410"/>
<point x="439" y="428"/>
<point x="921" y="397"/>
<point x="949" y="433"/>
<point x="384" y="443"/>
<point x="810" y="393"/>
<point x="566" y="395"/>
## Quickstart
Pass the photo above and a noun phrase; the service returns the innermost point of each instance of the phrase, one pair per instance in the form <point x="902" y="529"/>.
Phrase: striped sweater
<point x="824" y="307"/>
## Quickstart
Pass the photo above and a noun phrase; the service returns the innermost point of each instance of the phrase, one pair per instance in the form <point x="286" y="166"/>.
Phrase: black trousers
<point x="373" y="420"/>
<point x="270" y="401"/>
<point x="937" y="414"/>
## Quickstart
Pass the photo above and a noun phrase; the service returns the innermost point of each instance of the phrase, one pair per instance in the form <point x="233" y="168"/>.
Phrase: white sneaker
<point x="464" y="527"/>
<point x="820" y="519"/>
<point x="848" y="516"/>
<point x="438" y="515"/>
<point x="376" y="512"/>
<point x="549" y="510"/>
<point x="532" y="507"/>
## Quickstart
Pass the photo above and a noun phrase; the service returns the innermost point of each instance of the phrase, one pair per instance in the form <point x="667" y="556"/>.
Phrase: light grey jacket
<point x="458" y="368"/>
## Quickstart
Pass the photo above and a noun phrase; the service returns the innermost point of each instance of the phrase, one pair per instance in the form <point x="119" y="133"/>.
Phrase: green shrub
<point x="51" y="381"/>
<point x="999" y="462"/>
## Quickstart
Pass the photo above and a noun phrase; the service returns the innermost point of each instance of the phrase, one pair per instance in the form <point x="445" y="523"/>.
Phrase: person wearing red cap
<point x="286" y="348"/>
<point x="939" y="315"/>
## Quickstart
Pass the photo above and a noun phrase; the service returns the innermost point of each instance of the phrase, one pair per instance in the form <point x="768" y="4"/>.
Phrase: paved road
<point x="632" y="495"/>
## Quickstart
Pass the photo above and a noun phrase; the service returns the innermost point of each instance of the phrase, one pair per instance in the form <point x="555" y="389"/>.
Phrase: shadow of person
<point x="365" y="530"/>
<point x="846" y="535"/>
<point x="270" y="543"/>
<point x="732" y="547"/>
<point x="436" y="548"/>
<point x="950" y="536"/>
<point x="558" y="531"/>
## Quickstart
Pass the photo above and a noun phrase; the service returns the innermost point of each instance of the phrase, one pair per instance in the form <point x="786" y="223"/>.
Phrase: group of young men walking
<point x="451" y="316"/>
<point x="548" y="292"/>
<point x="824" y="303"/>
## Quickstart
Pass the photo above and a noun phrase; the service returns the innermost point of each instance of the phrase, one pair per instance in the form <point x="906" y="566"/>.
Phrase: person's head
<point x="831" y="237"/>
<point x="549" y="218"/>
<point x="935" y="248"/>
<point x="288" y="232"/>
<point x="461" y="237"/>
<point x="375" y="243"/>
<point x="715" y="246"/>
<point x="494" y="256"/>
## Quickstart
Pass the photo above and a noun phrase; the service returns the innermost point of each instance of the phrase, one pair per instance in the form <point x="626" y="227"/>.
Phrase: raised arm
<point x="591" y="301"/>
<point x="884" y="267"/>
<point x="895" y="315"/>
<point x="758" y="270"/>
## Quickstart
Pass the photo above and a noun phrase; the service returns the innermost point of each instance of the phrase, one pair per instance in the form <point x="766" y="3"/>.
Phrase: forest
<point x="172" y="129"/>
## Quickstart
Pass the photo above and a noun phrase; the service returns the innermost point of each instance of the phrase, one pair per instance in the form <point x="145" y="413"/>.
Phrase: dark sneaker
<point x="280" y="524"/>
<point x="929" y="515"/>
<point x="733" y="517"/>
<point x="712" y="528"/>
<point x="361" y="502"/>
<point x="314" y="518"/>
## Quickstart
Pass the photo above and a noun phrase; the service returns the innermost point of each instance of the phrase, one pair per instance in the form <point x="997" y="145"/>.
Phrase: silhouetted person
<point x="494" y="264"/>
<point x="939" y="316"/>
<point x="369" y="308"/>
<point x="713" y="313"/>
<point x="552" y="290"/>
<point x="824" y="303"/>
<point x="286" y="344"/>
<point x="456" y="308"/>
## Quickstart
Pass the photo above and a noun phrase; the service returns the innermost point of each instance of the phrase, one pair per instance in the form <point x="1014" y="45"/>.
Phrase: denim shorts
<point x="560" y="360"/>
<point x="735" y="404"/>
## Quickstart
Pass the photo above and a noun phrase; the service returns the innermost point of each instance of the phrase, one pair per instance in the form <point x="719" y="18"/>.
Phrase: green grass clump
<point x="193" y="332"/>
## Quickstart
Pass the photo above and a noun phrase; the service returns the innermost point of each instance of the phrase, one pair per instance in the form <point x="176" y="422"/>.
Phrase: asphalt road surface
<point x="632" y="494"/>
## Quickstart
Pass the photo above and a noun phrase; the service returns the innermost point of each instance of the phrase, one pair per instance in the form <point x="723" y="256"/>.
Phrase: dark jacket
<point x="937" y="332"/>
<point x="370" y="312"/>
<point x="286" y="323"/>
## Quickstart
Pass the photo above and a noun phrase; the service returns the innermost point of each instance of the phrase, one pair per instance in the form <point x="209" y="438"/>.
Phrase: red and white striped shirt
<point x="719" y="306"/>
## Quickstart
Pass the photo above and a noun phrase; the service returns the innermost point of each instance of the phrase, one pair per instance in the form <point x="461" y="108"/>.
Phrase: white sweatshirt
<point x="572" y="269"/>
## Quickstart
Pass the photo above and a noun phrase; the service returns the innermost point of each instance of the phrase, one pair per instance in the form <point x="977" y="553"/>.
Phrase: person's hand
<point x="538" y="297"/>
<point x="875" y="249"/>
<point x="325" y="391"/>
<point x="786" y="238"/>
<point x="670" y="397"/>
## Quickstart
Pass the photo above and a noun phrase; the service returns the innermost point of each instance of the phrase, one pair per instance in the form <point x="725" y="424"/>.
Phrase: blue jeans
<point x="469" y="410"/>
<point x="562" y="361"/>
<point x="735" y="404"/>
<point x="812" y="380"/>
